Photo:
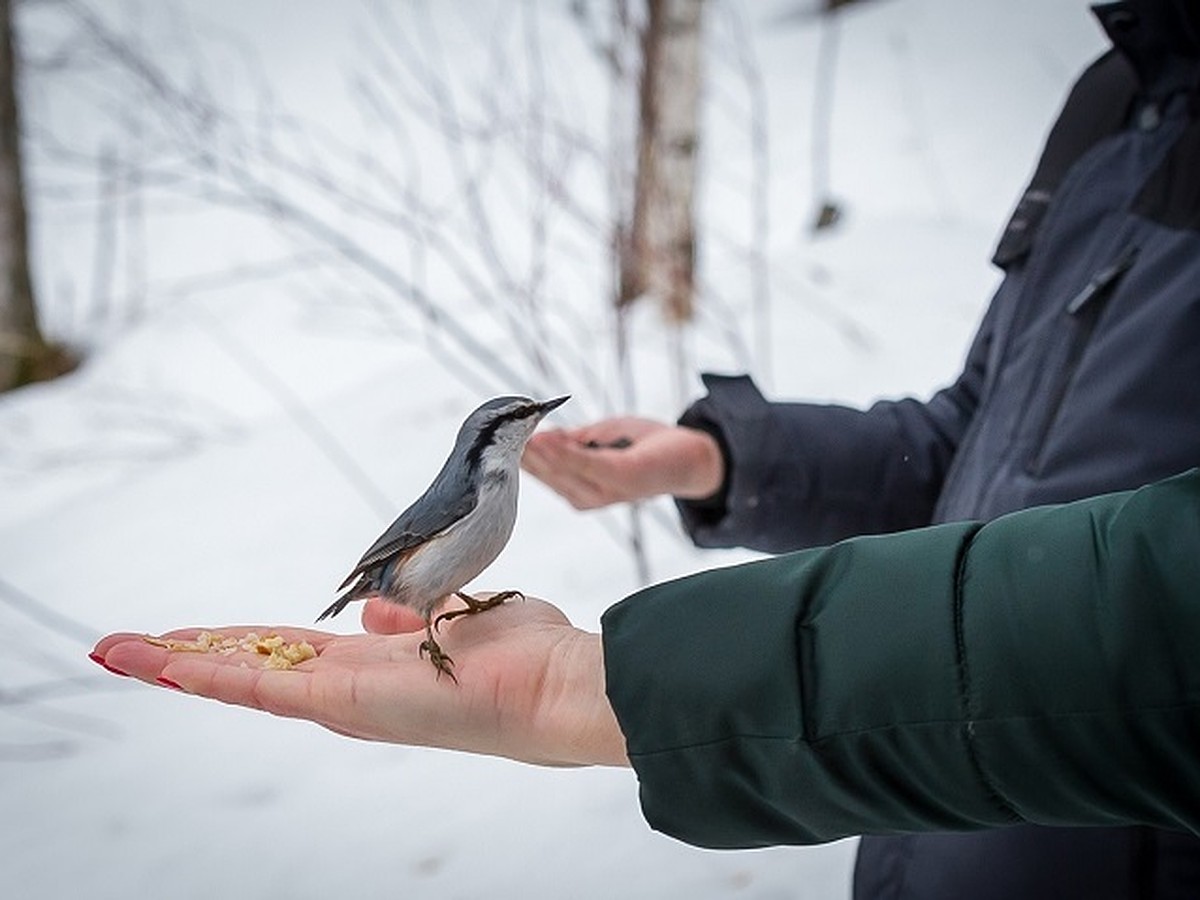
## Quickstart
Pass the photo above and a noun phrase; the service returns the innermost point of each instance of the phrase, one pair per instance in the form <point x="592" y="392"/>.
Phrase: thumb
<point x="381" y="617"/>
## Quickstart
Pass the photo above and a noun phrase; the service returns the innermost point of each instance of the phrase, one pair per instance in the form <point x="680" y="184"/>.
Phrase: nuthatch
<point x="457" y="527"/>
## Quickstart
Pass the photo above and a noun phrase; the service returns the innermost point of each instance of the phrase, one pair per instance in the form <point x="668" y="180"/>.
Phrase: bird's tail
<point x="336" y="606"/>
<point x="364" y="587"/>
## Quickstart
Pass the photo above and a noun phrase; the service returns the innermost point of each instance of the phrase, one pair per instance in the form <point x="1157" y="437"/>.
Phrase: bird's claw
<point x="440" y="659"/>
<point x="475" y="606"/>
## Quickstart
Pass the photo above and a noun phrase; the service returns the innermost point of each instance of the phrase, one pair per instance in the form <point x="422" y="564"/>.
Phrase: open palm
<point x="530" y="685"/>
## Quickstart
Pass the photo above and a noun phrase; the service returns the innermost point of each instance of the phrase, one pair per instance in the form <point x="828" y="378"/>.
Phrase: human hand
<point x="530" y="686"/>
<point x="659" y="459"/>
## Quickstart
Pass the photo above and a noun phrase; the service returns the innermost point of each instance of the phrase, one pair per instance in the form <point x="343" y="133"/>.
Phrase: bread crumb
<point x="279" y="653"/>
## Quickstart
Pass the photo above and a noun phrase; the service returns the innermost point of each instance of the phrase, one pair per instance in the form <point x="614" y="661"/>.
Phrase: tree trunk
<point x="24" y="354"/>
<point x="660" y="257"/>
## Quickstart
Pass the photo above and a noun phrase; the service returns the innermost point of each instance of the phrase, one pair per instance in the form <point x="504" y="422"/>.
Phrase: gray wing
<point x="414" y="526"/>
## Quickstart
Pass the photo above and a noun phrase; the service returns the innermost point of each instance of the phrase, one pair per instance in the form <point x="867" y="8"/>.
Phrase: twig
<point x="299" y="413"/>
<point x="44" y="615"/>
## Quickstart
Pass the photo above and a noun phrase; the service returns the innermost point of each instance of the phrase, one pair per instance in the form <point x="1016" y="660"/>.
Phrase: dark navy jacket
<point x="1084" y="378"/>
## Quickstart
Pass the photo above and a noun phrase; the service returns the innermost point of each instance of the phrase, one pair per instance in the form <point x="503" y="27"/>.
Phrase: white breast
<point x="454" y="558"/>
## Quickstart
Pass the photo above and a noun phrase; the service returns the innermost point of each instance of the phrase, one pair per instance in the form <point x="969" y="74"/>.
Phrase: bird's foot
<point x="475" y="606"/>
<point x="440" y="659"/>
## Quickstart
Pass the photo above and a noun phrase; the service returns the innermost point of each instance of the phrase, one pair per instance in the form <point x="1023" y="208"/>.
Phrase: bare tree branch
<point x="60" y="623"/>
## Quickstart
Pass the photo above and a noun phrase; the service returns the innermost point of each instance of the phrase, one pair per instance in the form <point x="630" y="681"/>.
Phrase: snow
<point x="173" y="481"/>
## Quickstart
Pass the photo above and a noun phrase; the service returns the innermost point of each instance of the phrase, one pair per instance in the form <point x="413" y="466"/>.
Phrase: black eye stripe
<point x="521" y="412"/>
<point x="488" y="431"/>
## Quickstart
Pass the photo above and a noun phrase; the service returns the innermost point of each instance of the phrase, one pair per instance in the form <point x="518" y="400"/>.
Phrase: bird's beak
<point x="548" y="405"/>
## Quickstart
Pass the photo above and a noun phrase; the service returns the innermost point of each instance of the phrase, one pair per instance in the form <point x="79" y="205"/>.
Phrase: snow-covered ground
<point x="172" y="481"/>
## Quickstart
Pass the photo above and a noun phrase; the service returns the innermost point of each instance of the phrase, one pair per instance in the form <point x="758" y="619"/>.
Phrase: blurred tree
<point x="484" y="206"/>
<point x="25" y="355"/>
<point x="659" y="259"/>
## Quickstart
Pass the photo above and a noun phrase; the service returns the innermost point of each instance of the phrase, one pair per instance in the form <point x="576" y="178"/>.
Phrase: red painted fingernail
<point x="100" y="661"/>
<point x="167" y="682"/>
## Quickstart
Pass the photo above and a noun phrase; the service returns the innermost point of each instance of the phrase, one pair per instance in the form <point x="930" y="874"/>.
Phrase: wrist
<point x="586" y="731"/>
<point x="705" y="465"/>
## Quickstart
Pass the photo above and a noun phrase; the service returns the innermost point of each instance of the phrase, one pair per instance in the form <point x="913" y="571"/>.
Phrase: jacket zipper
<point x="1084" y="310"/>
<point x="1103" y="281"/>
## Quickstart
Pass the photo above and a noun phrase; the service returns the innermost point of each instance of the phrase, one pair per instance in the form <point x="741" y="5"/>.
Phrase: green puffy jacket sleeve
<point x="1044" y="667"/>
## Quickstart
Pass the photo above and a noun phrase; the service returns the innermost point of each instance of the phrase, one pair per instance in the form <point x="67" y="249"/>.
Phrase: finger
<point x="382" y="617"/>
<point x="544" y="448"/>
<point x="595" y="477"/>
<point x="556" y="463"/>
<point x="566" y="479"/>
<point x="288" y="632"/>
<point x="343" y="690"/>
<point x="559" y="460"/>
<point x="131" y="655"/>
<point x="145" y="657"/>
<point x="288" y="693"/>
<point x="237" y="678"/>
<point x="582" y="443"/>
<point x="584" y="493"/>
<point x="109" y="641"/>
<point x="536" y="458"/>
<point x="609" y="430"/>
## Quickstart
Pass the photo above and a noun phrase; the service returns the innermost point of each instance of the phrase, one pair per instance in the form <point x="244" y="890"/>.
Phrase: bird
<point x="454" y="530"/>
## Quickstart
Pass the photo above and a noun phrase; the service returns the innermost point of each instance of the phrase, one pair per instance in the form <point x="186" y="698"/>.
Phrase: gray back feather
<point x="450" y="497"/>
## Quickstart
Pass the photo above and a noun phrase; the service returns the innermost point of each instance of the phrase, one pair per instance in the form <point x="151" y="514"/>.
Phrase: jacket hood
<point x="1161" y="38"/>
<point x="1176" y="22"/>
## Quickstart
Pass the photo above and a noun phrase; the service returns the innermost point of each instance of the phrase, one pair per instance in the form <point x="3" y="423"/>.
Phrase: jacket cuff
<point x="737" y="415"/>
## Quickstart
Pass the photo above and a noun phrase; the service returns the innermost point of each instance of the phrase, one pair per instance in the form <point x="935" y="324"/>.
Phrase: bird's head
<point x="496" y="432"/>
